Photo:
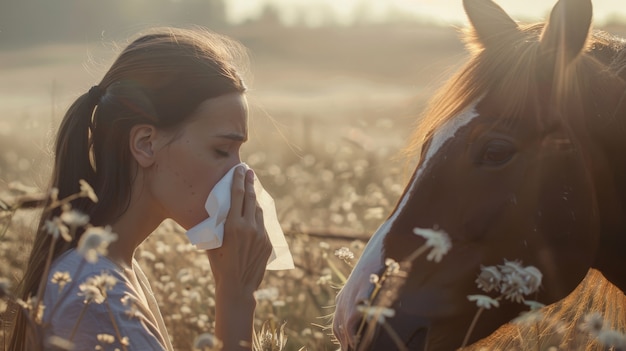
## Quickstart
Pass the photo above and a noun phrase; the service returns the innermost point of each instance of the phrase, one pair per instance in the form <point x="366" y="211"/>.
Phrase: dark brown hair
<point x="158" y="79"/>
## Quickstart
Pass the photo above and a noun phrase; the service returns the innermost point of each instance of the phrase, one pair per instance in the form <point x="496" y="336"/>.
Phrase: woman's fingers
<point x="238" y="191"/>
<point x="250" y="204"/>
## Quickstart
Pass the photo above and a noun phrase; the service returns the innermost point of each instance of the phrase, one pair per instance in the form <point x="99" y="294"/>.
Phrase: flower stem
<point x="115" y="326"/>
<point x="471" y="328"/>
<point x="44" y="278"/>
<point x="80" y="317"/>
<point x="395" y="337"/>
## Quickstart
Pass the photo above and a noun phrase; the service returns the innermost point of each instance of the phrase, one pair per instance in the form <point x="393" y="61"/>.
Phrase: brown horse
<point x="522" y="158"/>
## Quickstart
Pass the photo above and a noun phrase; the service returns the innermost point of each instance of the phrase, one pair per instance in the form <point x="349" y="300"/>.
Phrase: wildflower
<point x="392" y="266"/>
<point x="324" y="245"/>
<point x="512" y="287"/>
<point x="29" y="306"/>
<point x="87" y="191"/>
<point x="91" y="294"/>
<point x="5" y="286"/>
<point x="374" y="278"/>
<point x="612" y="338"/>
<point x="518" y="281"/>
<point x="208" y="342"/>
<point x="94" y="242"/>
<point x="270" y="294"/>
<point x="592" y="323"/>
<point x="54" y="194"/>
<point x="534" y="305"/>
<point x="345" y="254"/>
<point x="74" y="218"/>
<point x="184" y="309"/>
<point x="95" y="288"/>
<point x="483" y="301"/>
<point x="61" y="279"/>
<point x="279" y="303"/>
<point x="147" y="255"/>
<point x="489" y="278"/>
<point x="59" y="343"/>
<point x="56" y="228"/>
<point x="105" y="338"/>
<point x="376" y="312"/>
<point x="437" y="240"/>
<point x="533" y="277"/>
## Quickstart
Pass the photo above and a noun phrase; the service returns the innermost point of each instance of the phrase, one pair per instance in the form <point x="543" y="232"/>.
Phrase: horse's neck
<point x="611" y="258"/>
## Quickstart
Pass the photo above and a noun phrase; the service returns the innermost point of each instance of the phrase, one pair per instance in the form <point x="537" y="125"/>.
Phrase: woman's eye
<point x="497" y="152"/>
<point x="221" y="153"/>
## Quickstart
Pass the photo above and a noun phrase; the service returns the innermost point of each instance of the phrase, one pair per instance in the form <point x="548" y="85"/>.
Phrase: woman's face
<point x="198" y="156"/>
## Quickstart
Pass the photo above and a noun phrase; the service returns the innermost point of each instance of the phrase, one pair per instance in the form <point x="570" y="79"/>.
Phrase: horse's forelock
<point x="506" y="70"/>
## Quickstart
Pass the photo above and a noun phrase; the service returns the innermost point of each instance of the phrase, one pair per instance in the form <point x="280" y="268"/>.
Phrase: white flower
<point x="270" y="294"/>
<point x="95" y="288"/>
<point x="74" y="218"/>
<point x="94" y="242"/>
<point x="392" y="266"/>
<point x="61" y="279"/>
<point x="592" y="323"/>
<point x="612" y="338"/>
<point x="483" y="301"/>
<point x="374" y="278"/>
<point x="5" y="286"/>
<point x="207" y="341"/>
<point x="57" y="228"/>
<point x="106" y="338"/>
<point x="534" y="305"/>
<point x="87" y="191"/>
<point x="58" y="343"/>
<point x="489" y="278"/>
<point x="378" y="313"/>
<point x="518" y="281"/>
<point x="344" y="253"/>
<point x="437" y="240"/>
<point x="533" y="277"/>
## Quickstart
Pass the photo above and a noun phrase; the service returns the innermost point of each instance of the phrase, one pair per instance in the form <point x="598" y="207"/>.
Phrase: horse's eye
<point x="497" y="152"/>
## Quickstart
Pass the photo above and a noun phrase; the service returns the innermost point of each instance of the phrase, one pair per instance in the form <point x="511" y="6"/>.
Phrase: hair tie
<point x="95" y="93"/>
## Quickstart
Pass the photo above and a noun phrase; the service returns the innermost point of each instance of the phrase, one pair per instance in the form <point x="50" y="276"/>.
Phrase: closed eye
<point x="221" y="153"/>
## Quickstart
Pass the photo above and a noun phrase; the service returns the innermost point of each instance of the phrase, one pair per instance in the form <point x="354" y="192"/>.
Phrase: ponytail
<point x="72" y="163"/>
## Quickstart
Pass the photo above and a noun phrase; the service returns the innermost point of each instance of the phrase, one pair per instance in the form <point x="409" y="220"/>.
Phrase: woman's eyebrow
<point x="232" y="136"/>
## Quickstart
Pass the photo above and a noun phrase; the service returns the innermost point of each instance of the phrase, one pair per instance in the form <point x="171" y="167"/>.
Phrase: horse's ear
<point x="491" y="24"/>
<point x="566" y="32"/>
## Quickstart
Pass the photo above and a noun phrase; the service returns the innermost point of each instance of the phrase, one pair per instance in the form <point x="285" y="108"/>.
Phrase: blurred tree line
<point x="27" y="22"/>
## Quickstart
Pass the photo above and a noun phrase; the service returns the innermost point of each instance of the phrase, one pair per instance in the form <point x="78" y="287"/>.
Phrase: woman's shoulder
<point x="87" y="299"/>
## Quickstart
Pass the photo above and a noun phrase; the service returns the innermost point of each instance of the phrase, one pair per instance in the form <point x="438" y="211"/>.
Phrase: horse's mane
<point x="509" y="72"/>
<point x="559" y="324"/>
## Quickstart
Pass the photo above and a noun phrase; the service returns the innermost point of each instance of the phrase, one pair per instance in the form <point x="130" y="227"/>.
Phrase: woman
<point x="152" y="138"/>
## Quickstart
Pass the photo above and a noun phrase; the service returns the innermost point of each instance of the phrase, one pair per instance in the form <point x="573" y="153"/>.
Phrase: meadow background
<point x="331" y="108"/>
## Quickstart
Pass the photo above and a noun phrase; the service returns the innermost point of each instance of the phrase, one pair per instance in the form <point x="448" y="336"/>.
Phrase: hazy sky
<point x="442" y="11"/>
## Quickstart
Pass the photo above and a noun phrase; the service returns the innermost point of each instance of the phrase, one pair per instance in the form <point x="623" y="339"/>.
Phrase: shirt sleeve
<point x="119" y="319"/>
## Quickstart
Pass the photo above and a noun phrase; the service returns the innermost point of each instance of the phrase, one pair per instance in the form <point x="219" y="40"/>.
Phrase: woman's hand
<point x="239" y="264"/>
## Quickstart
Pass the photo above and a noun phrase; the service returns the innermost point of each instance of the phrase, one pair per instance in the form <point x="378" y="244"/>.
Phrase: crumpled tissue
<point x="209" y="233"/>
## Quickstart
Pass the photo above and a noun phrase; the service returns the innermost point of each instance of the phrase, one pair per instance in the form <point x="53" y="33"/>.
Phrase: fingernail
<point x="250" y="176"/>
<point x="241" y="169"/>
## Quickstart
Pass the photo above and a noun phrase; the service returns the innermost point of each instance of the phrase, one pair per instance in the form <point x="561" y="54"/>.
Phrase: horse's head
<point x="520" y="160"/>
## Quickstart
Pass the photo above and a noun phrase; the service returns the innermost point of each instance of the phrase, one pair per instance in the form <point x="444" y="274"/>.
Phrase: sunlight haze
<point x="316" y="12"/>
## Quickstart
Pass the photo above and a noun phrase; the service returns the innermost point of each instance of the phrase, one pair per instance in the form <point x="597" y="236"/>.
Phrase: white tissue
<point x="209" y="233"/>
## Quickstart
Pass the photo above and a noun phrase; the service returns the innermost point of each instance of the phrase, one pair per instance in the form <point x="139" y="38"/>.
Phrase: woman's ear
<point x="143" y="144"/>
